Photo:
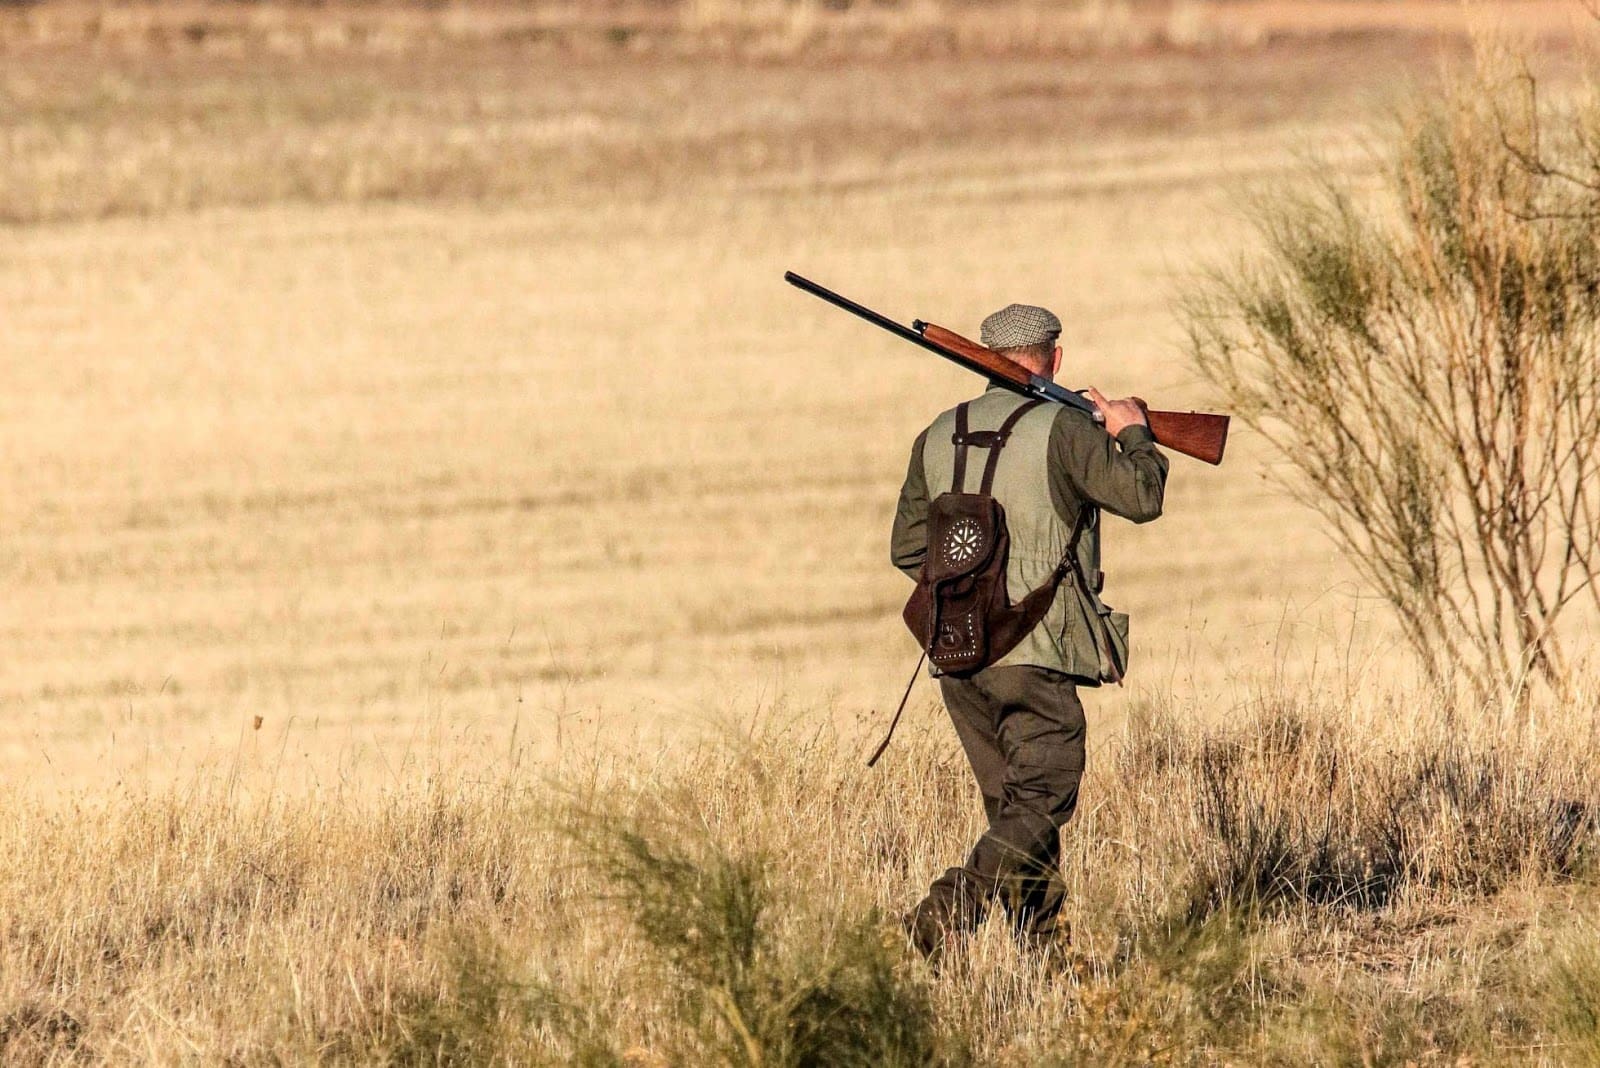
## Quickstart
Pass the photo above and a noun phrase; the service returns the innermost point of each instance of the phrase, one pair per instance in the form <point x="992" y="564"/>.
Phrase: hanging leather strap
<point x="959" y="483"/>
<point x="1070" y="561"/>
<point x="895" y="722"/>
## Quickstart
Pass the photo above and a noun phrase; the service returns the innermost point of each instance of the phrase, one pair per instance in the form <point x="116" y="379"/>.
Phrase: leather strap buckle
<point x="978" y="439"/>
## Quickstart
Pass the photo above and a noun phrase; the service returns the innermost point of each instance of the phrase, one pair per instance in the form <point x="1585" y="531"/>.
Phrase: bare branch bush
<point x="1427" y="364"/>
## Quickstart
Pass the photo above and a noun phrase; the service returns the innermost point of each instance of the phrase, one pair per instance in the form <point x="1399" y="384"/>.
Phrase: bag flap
<point x="963" y="534"/>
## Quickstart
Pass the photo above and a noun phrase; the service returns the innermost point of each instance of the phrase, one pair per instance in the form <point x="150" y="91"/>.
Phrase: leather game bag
<point x="960" y="612"/>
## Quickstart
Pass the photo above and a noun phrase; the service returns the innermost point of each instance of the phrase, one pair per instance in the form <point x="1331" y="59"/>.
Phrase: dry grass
<point x="443" y="415"/>
<point x="1313" y="882"/>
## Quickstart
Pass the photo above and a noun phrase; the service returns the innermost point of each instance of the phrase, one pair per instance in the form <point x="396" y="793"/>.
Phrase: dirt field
<point x="461" y="401"/>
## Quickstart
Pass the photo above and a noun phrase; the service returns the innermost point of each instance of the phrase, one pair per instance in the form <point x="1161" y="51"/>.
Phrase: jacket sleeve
<point x="908" y="542"/>
<point x="1125" y="475"/>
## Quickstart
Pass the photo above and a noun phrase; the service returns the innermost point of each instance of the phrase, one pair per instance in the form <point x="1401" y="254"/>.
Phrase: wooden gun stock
<point x="985" y="357"/>
<point x="1201" y="435"/>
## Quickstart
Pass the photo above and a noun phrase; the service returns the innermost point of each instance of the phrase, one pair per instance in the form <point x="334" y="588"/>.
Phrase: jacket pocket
<point x="1108" y="634"/>
<point x="1114" y="656"/>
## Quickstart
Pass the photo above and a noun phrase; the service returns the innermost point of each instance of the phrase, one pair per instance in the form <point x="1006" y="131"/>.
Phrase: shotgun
<point x="1201" y="435"/>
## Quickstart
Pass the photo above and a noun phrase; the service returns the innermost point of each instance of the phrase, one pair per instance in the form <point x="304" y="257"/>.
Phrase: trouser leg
<point x="1023" y="731"/>
<point x="975" y="716"/>
<point x="956" y="901"/>
<point x="1042" y="734"/>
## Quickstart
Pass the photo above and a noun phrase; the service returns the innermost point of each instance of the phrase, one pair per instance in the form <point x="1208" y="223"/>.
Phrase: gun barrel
<point x="862" y="311"/>
<point x="1017" y="380"/>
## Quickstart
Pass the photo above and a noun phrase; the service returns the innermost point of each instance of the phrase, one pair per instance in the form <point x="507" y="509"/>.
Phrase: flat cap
<point x="1016" y="325"/>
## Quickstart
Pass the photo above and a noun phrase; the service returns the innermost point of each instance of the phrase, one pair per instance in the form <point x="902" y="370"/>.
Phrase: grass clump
<point x="1569" y="993"/>
<point x="1290" y="806"/>
<point x="831" y="990"/>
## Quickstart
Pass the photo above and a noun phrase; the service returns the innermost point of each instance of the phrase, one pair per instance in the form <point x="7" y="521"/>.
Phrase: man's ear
<point x="1055" y="362"/>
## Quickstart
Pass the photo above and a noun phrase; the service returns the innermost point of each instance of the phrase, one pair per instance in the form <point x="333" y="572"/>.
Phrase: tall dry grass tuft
<point x="1571" y="994"/>
<point x="738" y="993"/>
<point x="1247" y="892"/>
<point x="1295" y="809"/>
<point x="1427" y="367"/>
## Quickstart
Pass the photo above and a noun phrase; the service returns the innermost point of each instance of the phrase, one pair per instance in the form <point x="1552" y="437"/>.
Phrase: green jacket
<point x="1057" y="461"/>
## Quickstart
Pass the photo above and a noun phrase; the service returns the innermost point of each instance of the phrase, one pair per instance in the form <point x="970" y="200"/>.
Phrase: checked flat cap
<point x="1016" y="325"/>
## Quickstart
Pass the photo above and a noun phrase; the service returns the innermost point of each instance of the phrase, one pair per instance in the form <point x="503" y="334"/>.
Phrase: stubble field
<point x="575" y="455"/>
<point x="387" y="434"/>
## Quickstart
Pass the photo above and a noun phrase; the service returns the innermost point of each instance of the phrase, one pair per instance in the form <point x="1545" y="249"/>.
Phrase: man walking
<point x="1019" y="719"/>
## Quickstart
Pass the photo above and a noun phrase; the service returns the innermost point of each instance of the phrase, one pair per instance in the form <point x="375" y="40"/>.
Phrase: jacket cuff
<point x="1134" y="436"/>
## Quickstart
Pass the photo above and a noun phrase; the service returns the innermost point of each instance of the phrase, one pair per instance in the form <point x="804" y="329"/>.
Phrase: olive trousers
<point x="1023" y="731"/>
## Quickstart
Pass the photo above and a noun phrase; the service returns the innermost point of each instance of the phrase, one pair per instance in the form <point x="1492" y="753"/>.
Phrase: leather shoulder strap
<point x="1001" y="436"/>
<point x="958" y="484"/>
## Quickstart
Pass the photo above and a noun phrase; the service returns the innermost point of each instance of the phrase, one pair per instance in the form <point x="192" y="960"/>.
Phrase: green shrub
<point x="1426" y="363"/>
<point x="839" y="993"/>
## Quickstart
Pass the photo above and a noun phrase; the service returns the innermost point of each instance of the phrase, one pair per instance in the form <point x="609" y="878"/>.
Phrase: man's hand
<point x="1118" y="414"/>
